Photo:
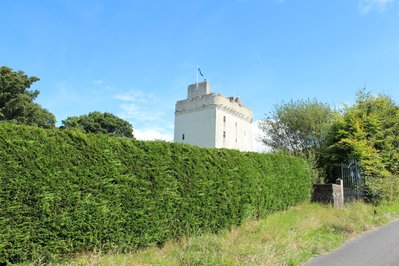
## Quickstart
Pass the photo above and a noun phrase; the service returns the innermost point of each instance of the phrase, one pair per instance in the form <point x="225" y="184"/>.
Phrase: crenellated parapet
<point x="209" y="119"/>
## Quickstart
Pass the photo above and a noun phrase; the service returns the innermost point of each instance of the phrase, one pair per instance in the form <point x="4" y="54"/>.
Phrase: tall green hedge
<point x="64" y="192"/>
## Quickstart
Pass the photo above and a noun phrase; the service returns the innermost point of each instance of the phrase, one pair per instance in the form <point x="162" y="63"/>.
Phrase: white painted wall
<point x="198" y="127"/>
<point x="211" y="120"/>
<point x="232" y="131"/>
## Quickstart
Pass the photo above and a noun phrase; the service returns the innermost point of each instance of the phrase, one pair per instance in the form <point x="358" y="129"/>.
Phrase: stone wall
<point x="329" y="194"/>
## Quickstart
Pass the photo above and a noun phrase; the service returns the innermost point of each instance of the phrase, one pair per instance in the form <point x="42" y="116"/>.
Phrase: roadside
<point x="289" y="237"/>
<point x="376" y="247"/>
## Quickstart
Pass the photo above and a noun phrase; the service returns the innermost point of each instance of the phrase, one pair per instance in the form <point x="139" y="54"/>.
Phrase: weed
<point x="288" y="237"/>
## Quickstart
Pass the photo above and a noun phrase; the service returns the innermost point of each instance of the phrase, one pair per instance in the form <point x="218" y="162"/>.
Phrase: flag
<point x="199" y="71"/>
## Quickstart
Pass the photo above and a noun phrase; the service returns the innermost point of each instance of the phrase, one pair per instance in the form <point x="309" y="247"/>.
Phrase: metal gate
<point x="354" y="182"/>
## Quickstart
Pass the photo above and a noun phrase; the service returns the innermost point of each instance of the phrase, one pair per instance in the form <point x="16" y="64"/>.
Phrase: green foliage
<point x="16" y="100"/>
<point x="297" y="126"/>
<point x="288" y="237"/>
<point x="97" y="122"/>
<point x="368" y="132"/>
<point x="64" y="192"/>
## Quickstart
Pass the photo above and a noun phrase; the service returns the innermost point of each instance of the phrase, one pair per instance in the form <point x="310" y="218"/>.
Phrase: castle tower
<point x="207" y="119"/>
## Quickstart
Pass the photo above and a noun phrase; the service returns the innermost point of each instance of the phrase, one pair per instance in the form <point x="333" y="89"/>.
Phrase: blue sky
<point x="136" y="58"/>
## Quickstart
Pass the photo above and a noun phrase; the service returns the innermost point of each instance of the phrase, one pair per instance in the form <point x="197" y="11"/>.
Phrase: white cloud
<point x="152" y="134"/>
<point x="134" y="96"/>
<point x="146" y="113"/>
<point x="135" y="112"/>
<point x="138" y="106"/>
<point x="366" y="6"/>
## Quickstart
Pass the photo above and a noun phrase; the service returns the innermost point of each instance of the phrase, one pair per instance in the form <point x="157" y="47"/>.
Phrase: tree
<point x="16" y="100"/>
<point x="297" y="126"/>
<point x="97" y="122"/>
<point x="368" y="132"/>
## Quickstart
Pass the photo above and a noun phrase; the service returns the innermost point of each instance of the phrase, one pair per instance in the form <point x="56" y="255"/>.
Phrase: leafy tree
<point x="297" y="126"/>
<point x="367" y="132"/>
<point x="97" y="122"/>
<point x="16" y="100"/>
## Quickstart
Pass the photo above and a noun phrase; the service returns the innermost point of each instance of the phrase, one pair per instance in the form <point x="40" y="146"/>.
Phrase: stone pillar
<point x="338" y="193"/>
<point x="341" y="183"/>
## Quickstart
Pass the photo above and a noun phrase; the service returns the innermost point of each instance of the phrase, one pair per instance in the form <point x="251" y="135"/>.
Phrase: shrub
<point x="64" y="192"/>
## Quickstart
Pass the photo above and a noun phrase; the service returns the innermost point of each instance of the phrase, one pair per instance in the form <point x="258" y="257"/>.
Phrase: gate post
<point x="340" y="182"/>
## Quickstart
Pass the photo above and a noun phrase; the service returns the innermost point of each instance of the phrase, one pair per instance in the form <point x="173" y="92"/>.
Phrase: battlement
<point x="209" y="119"/>
<point x="200" y="96"/>
<point x="198" y="89"/>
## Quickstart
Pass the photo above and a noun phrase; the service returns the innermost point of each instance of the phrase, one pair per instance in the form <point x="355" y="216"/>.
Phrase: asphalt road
<point x="377" y="248"/>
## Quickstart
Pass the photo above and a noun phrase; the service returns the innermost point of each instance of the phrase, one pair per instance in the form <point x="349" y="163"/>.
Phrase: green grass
<point x="285" y="238"/>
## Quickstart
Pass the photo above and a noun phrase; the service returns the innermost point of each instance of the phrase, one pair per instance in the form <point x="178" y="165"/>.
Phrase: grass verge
<point x="285" y="238"/>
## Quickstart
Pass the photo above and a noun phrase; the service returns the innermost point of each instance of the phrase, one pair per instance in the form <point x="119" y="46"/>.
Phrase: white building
<point x="207" y="119"/>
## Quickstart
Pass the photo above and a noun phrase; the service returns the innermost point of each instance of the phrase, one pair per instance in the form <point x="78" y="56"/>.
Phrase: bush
<point x="383" y="190"/>
<point x="64" y="192"/>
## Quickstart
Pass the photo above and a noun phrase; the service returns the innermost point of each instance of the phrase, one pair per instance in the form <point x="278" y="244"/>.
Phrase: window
<point x="224" y="134"/>
<point x="182" y="136"/>
<point x="236" y="132"/>
<point x="224" y="119"/>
